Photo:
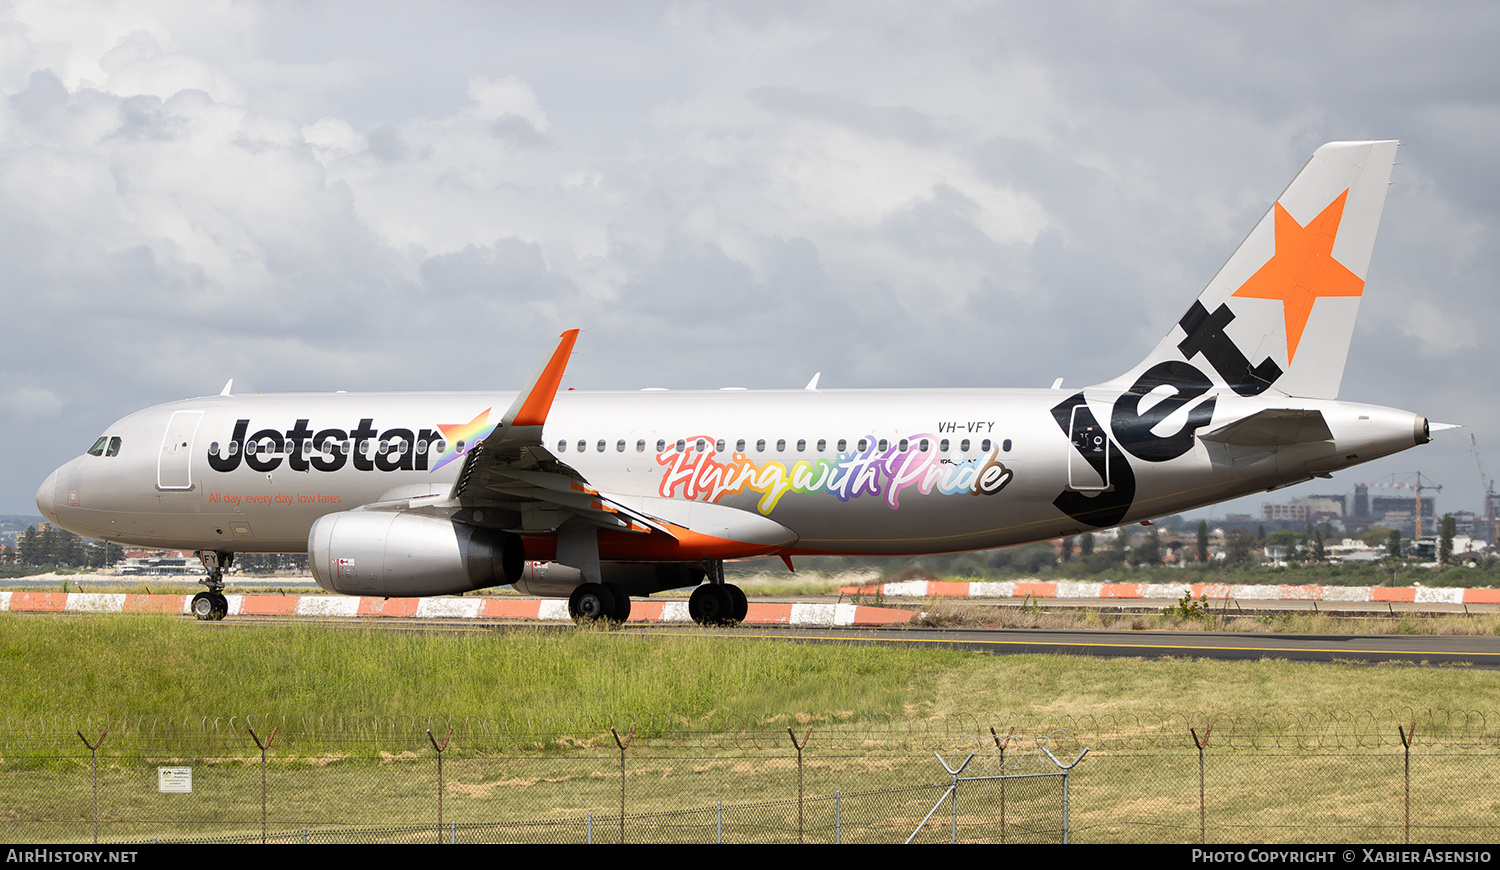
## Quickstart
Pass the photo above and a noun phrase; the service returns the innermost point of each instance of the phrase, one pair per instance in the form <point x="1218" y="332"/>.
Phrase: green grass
<point x="712" y="716"/>
<point x="173" y="666"/>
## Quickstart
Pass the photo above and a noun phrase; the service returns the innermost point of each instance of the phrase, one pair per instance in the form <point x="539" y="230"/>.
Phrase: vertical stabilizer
<point x="1280" y="314"/>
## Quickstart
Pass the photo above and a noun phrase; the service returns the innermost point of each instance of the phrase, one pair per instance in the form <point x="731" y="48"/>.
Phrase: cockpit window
<point x="98" y="448"/>
<point x="114" y="447"/>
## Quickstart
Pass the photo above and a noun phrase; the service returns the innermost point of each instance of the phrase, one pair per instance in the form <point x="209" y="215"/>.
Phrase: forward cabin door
<point x="174" y="463"/>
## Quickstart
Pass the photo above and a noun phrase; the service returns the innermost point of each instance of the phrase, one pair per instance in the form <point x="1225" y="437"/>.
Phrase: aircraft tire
<point x="203" y="606"/>
<point x="741" y="604"/>
<point x="622" y="602"/>
<point x="591" y="602"/>
<point x="221" y="606"/>
<point x="710" y="604"/>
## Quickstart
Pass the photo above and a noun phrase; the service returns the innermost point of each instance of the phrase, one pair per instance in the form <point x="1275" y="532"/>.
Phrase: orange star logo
<point x="1303" y="269"/>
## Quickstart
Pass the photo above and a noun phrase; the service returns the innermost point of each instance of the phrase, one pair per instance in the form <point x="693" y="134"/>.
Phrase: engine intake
<point x="403" y="555"/>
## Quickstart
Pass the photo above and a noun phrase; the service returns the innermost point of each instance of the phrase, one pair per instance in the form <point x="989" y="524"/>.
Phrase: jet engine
<point x="403" y="555"/>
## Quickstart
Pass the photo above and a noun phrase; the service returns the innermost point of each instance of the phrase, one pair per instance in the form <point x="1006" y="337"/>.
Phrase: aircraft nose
<point x="46" y="498"/>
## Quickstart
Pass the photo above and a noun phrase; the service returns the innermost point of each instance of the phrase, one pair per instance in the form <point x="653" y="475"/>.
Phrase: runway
<point x="807" y="621"/>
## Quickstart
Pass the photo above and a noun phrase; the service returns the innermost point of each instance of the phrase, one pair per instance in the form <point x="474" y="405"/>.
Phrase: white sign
<point x="174" y="779"/>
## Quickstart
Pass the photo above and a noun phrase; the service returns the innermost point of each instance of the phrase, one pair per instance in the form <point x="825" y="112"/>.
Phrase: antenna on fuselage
<point x="813" y="384"/>
<point x="227" y="385"/>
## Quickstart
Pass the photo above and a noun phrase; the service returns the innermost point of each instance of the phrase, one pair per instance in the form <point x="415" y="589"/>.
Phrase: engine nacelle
<point x="552" y="580"/>
<point x="402" y="555"/>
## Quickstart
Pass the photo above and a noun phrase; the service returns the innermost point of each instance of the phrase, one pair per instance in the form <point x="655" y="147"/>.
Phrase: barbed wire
<point x="1271" y="730"/>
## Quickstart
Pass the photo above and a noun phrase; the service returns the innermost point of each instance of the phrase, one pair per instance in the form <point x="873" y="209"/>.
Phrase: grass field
<point x="172" y="666"/>
<point x="1292" y="742"/>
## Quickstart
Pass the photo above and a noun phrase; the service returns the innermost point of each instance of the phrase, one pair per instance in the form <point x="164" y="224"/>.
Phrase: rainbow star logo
<point x="468" y="434"/>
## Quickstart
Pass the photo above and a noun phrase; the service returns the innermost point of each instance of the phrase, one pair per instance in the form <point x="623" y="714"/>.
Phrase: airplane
<point x="600" y="496"/>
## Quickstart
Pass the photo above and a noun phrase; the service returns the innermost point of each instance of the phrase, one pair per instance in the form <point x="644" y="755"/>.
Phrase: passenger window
<point x="719" y="446"/>
<point x="383" y="447"/>
<point x="620" y="446"/>
<point x="600" y="446"/>
<point x="963" y="446"/>
<point x="901" y="446"/>
<point x="864" y="444"/>
<point x="760" y="445"/>
<point x="801" y="445"/>
<point x="739" y="446"/>
<point x="640" y="446"/>
<point x="250" y="448"/>
<point x="780" y="445"/>
<point x="1005" y="445"/>
<point x="943" y="446"/>
<point x="681" y="445"/>
<point x="701" y="445"/>
<point x="883" y="445"/>
<point x="843" y="445"/>
<point x="822" y="444"/>
<point x="213" y="450"/>
<point x="661" y="445"/>
<point x="583" y="446"/>
<point x="421" y="446"/>
<point x="923" y="445"/>
<point x="562" y="446"/>
<point x="985" y="445"/>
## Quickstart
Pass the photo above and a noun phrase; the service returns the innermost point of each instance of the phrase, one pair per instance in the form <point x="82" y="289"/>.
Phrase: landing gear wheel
<point x="212" y="604"/>
<point x="710" y="604"/>
<point x="622" y="602"/>
<point x="591" y="602"/>
<point x="741" y="608"/>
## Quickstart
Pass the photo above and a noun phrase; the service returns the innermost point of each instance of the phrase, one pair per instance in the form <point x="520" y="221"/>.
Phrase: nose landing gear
<point x="212" y="605"/>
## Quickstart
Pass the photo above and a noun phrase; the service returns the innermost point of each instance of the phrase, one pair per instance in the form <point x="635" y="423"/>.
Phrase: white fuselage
<point x="919" y="471"/>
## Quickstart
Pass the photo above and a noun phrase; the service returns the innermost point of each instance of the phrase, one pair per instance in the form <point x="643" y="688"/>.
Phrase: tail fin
<point x="1280" y="314"/>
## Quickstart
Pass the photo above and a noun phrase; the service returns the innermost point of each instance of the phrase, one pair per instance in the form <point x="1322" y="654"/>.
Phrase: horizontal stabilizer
<point x="1273" y="427"/>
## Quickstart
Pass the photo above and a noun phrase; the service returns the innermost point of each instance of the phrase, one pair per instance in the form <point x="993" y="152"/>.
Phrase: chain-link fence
<point x="1387" y="776"/>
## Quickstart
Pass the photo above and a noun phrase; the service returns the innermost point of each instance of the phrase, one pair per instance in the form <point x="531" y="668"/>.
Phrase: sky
<point x="370" y="196"/>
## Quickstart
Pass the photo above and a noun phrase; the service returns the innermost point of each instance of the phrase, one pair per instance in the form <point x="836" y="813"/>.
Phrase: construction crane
<point x="1486" y="483"/>
<point x="1406" y="482"/>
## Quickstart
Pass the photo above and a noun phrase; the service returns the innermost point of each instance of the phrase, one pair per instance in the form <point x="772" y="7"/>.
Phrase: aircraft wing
<point x="511" y="472"/>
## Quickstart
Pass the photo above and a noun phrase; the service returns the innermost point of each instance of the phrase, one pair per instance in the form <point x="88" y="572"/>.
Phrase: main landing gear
<point x="212" y="604"/>
<point x="717" y="602"/>
<point x="591" y="602"/>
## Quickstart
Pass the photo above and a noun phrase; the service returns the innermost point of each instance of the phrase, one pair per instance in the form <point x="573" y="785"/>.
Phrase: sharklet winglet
<point x="532" y="404"/>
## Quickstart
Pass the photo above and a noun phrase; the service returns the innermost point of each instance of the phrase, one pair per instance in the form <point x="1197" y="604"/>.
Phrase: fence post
<point x="263" y="747"/>
<point x="1000" y="743"/>
<point x="1406" y="738"/>
<point x="1202" y="818"/>
<point x="798" y="747"/>
<point x="623" y="746"/>
<point x="433" y="741"/>
<point x="94" y="766"/>
<point x="838" y="817"/>
<point x="1067" y="770"/>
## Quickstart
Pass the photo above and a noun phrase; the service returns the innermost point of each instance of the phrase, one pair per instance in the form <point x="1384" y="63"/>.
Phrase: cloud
<point x="356" y="196"/>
